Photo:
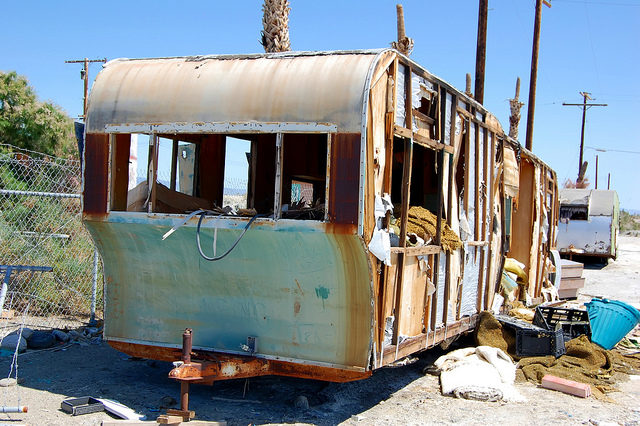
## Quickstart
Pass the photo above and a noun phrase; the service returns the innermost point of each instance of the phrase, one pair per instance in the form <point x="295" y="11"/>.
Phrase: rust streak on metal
<point x="344" y="179"/>
<point x="217" y="366"/>
<point x="96" y="157"/>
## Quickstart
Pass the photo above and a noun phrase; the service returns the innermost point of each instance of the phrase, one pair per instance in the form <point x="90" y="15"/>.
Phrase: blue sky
<point x="586" y="45"/>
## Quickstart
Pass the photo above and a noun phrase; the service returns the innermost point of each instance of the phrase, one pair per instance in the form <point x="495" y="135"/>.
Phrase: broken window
<point x="424" y="178"/>
<point x="192" y="172"/>
<point x="304" y="176"/>
<point x="568" y="213"/>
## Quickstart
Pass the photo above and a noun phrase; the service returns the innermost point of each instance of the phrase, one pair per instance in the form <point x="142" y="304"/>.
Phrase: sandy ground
<point x="397" y="396"/>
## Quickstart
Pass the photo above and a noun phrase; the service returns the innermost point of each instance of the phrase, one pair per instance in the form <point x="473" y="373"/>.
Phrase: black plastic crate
<point x="82" y="405"/>
<point x="572" y="322"/>
<point x="532" y="340"/>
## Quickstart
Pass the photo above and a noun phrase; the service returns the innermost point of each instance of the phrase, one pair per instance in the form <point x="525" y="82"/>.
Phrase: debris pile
<point x="583" y="362"/>
<point x="483" y="373"/>
<point x="26" y="338"/>
<point x="423" y="223"/>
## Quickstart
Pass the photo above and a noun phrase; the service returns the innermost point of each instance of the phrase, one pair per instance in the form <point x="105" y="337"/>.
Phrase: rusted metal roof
<point x="296" y="87"/>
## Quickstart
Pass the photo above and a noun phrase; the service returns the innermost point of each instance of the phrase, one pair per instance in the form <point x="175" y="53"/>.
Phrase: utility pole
<point x="585" y="97"/>
<point x="84" y="75"/>
<point x="481" y="49"/>
<point x="534" y="72"/>
<point x="596" y="172"/>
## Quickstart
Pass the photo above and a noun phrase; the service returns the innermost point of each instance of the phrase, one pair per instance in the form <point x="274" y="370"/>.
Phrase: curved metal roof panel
<point x="292" y="87"/>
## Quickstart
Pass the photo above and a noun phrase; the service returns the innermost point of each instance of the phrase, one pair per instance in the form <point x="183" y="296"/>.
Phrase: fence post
<point x="92" y="320"/>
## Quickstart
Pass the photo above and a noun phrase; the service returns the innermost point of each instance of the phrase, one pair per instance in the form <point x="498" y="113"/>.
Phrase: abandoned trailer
<point x="345" y="155"/>
<point x="589" y="223"/>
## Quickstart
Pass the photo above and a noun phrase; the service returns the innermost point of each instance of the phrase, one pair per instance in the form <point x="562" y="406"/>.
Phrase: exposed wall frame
<point x="406" y="187"/>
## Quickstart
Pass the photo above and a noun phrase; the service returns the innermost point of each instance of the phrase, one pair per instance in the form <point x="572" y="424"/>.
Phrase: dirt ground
<point x="397" y="396"/>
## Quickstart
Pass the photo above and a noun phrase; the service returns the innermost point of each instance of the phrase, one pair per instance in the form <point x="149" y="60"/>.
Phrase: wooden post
<point x="174" y="165"/>
<point x="406" y="186"/>
<point x="481" y="49"/>
<point x="534" y="74"/>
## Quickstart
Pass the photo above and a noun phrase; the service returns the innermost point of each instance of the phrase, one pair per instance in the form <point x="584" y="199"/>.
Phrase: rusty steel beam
<point x="225" y="366"/>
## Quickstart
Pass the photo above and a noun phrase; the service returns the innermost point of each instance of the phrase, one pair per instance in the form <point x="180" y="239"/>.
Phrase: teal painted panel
<point x="305" y="294"/>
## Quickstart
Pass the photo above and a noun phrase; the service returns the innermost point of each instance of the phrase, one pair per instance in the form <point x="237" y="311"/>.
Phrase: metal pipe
<point x="3" y="290"/>
<point x="18" y="409"/>
<point x="92" y="319"/>
<point x="186" y="358"/>
<point x="38" y="194"/>
<point x="186" y="345"/>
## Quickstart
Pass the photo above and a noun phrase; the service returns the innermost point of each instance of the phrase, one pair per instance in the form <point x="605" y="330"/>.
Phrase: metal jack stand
<point x="184" y="411"/>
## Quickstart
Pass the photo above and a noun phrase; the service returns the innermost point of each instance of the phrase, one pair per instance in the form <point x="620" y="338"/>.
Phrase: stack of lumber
<point x="571" y="279"/>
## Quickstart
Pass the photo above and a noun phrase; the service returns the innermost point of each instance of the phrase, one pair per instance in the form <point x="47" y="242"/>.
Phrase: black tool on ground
<point x="572" y="322"/>
<point x="532" y="340"/>
<point x="82" y="405"/>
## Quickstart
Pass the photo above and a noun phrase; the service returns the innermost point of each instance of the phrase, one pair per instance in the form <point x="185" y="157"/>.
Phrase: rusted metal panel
<point x="344" y="179"/>
<point x="304" y="293"/>
<point x="264" y="88"/>
<point x="120" y="171"/>
<point x="95" y="182"/>
<point x="211" y="158"/>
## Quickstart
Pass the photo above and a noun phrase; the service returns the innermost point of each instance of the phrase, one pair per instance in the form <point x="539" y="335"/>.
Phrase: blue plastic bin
<point x="611" y="320"/>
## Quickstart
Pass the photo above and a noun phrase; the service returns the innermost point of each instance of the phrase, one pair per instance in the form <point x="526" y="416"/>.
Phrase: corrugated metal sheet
<point x="270" y="88"/>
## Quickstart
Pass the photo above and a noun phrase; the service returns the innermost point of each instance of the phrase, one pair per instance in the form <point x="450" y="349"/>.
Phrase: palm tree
<point x="275" y="20"/>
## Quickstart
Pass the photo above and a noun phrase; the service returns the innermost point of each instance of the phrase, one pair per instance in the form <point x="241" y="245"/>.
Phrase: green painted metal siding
<point x="305" y="294"/>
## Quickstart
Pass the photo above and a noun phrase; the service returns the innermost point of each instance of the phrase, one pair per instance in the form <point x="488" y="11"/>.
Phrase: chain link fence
<point x="40" y="226"/>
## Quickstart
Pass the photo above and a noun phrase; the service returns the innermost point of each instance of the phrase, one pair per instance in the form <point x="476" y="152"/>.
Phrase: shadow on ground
<point x="98" y="370"/>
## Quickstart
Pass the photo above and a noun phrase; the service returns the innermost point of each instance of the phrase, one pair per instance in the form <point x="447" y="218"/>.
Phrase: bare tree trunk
<point x="515" y="106"/>
<point x="404" y="44"/>
<point x="275" y="21"/>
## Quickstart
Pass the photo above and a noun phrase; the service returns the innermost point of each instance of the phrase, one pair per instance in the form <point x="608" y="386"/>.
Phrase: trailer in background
<point x="589" y="223"/>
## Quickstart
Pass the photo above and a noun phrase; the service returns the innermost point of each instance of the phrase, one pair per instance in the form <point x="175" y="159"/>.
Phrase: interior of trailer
<point x="212" y="171"/>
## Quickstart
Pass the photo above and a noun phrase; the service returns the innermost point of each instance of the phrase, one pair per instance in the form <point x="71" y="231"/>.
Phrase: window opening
<point x="424" y="179"/>
<point x="236" y="172"/>
<point x="568" y="213"/>
<point x="304" y="176"/>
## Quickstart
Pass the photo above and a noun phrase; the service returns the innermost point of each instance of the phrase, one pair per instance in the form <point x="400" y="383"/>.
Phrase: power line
<point x="611" y="150"/>
<point x="600" y="2"/>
